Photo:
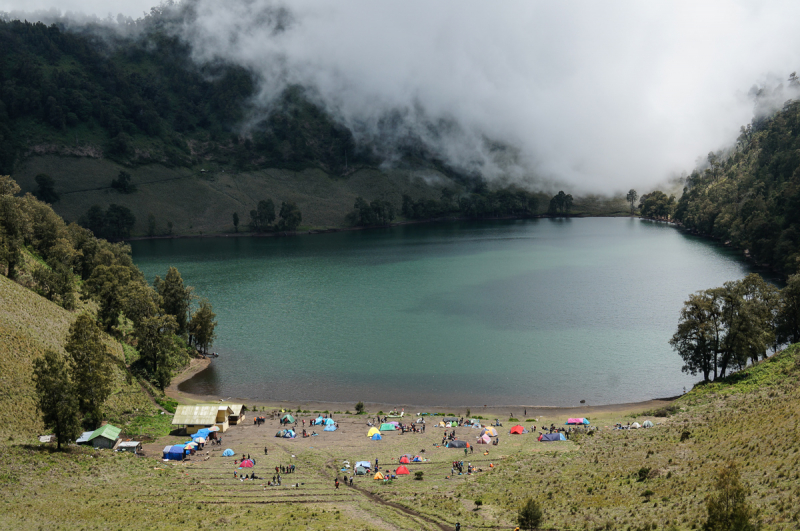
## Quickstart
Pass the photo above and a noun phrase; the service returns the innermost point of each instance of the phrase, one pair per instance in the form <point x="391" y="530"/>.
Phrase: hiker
<point x="336" y="483"/>
<point x="465" y="452"/>
<point x="266" y="452"/>
<point x="351" y="481"/>
<point x="471" y="449"/>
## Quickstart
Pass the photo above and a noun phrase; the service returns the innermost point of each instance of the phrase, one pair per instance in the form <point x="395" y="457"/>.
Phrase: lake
<point x="542" y="312"/>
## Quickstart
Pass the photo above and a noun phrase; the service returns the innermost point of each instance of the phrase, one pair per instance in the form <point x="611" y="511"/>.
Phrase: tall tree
<point x="106" y="285"/>
<point x="203" y="324"/>
<point x="700" y="332"/>
<point x="290" y="216"/>
<point x="154" y="341"/>
<point x="176" y="298"/>
<point x="55" y="397"/>
<point x="12" y="226"/>
<point x="530" y="515"/>
<point x="45" y="190"/>
<point x="90" y="368"/>
<point x="262" y="217"/>
<point x="788" y="319"/>
<point x="727" y="505"/>
<point x="632" y="197"/>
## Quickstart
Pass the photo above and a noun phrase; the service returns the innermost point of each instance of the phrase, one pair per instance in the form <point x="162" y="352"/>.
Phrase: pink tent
<point x="579" y="420"/>
<point x="247" y="463"/>
<point x="485" y="439"/>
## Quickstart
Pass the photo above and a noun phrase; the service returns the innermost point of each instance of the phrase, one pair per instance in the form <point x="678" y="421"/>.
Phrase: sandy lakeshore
<point x="489" y="411"/>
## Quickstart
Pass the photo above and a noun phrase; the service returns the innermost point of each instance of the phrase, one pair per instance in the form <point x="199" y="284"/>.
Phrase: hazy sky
<point x="599" y="96"/>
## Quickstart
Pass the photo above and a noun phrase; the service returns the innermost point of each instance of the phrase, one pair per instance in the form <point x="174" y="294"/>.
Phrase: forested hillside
<point x="750" y="196"/>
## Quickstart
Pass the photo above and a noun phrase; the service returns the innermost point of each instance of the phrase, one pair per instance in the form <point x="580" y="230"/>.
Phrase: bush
<point x="727" y="507"/>
<point x="643" y="473"/>
<point x="685" y="434"/>
<point x="418" y="475"/>
<point x="512" y="419"/>
<point x="380" y="412"/>
<point x="360" y="408"/>
<point x="478" y="503"/>
<point x="530" y="515"/>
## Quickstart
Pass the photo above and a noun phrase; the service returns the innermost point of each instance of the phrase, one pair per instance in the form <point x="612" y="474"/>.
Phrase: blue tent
<point x="319" y="420"/>
<point x="228" y="453"/>
<point x="551" y="437"/>
<point x="173" y="453"/>
<point x="289" y="434"/>
<point x="328" y="422"/>
<point x="377" y="437"/>
<point x="200" y="433"/>
<point x="330" y="427"/>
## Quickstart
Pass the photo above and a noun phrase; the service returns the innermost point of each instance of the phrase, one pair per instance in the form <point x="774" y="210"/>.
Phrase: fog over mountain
<point x="597" y="97"/>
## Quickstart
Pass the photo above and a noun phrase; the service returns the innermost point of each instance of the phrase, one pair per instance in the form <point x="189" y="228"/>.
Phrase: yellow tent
<point x="378" y="476"/>
<point x="441" y="424"/>
<point x="372" y="431"/>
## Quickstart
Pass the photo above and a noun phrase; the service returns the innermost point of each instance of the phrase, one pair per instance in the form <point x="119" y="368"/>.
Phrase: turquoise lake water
<point x="536" y="312"/>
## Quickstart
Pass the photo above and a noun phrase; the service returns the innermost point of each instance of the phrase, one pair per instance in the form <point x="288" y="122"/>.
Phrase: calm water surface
<point x="538" y="312"/>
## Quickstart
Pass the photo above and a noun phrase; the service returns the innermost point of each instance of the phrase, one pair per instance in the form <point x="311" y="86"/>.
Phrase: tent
<point x="328" y="422"/>
<point x="552" y="437"/>
<point x="372" y="431"/>
<point x="387" y="427"/>
<point x="377" y="437"/>
<point x="458" y="444"/>
<point x="319" y="420"/>
<point x="247" y="463"/>
<point x="441" y="424"/>
<point x="518" y="430"/>
<point x="280" y="433"/>
<point x="490" y="431"/>
<point x="579" y="420"/>
<point x="396" y="424"/>
<point x="329" y="428"/>
<point x="635" y="426"/>
<point x="290" y="434"/>
<point x="227" y="453"/>
<point x="287" y="418"/>
<point x="173" y="453"/>
<point x="401" y="471"/>
<point x="378" y="476"/>
<point x="365" y="464"/>
<point x="647" y="424"/>
<point x="417" y="459"/>
<point x="361" y="471"/>
<point x="405" y="460"/>
<point x="484" y="439"/>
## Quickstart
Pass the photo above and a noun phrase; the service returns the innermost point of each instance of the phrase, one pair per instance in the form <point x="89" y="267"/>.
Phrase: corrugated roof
<point x="84" y="437"/>
<point x="108" y="431"/>
<point x="236" y="409"/>
<point x="128" y="443"/>
<point x="196" y="415"/>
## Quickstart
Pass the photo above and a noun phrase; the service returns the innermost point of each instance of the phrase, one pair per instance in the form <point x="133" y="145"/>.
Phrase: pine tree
<point x="727" y="506"/>
<point x="203" y="324"/>
<point x="56" y="398"/>
<point x="176" y="297"/>
<point x="90" y="368"/>
<point x="530" y="515"/>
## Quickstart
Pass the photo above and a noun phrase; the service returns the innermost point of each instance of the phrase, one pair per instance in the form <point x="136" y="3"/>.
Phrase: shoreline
<point x="500" y="411"/>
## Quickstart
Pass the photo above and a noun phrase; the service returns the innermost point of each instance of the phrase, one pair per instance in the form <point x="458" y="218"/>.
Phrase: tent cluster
<point x="577" y="421"/>
<point x="286" y="434"/>
<point x="374" y="434"/>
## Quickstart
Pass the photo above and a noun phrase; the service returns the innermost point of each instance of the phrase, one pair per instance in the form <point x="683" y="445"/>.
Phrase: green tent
<point x="287" y="417"/>
<point x="387" y="427"/>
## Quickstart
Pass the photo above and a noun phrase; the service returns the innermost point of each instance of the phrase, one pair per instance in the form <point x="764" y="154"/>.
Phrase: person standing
<point x="336" y="483"/>
<point x="266" y="452"/>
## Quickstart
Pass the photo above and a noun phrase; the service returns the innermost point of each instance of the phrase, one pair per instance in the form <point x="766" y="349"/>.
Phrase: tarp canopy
<point x="405" y="460"/>
<point x="458" y="444"/>
<point x="647" y="424"/>
<point x="201" y="433"/>
<point x="484" y="439"/>
<point x="287" y="418"/>
<point x="372" y="431"/>
<point x="387" y="427"/>
<point x="361" y="471"/>
<point x="328" y="422"/>
<point x="401" y="471"/>
<point x="552" y="437"/>
<point x="247" y="463"/>
<point x="491" y="431"/>
<point x="450" y="419"/>
<point x="365" y="464"/>
<point x="518" y="430"/>
<point x="378" y="476"/>
<point x="377" y="437"/>
<point x="228" y="452"/>
<point x="329" y="428"/>
<point x="579" y="420"/>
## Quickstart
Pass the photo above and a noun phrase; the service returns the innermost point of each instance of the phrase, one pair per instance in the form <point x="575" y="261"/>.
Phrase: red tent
<point x="247" y="463"/>
<point x="517" y="429"/>
<point x="401" y="470"/>
<point x="405" y="460"/>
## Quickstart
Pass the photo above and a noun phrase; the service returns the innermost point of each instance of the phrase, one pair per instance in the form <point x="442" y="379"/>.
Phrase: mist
<point x="592" y="97"/>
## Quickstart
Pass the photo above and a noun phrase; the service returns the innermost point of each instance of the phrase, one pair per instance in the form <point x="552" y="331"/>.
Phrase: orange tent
<point x="517" y="429"/>
<point x="405" y="460"/>
<point x="401" y="470"/>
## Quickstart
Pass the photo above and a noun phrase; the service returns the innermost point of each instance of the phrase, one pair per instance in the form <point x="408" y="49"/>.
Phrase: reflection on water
<point x="544" y="312"/>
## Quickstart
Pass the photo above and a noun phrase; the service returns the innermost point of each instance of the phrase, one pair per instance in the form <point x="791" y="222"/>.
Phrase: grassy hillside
<point x="29" y="325"/>
<point x="204" y="203"/>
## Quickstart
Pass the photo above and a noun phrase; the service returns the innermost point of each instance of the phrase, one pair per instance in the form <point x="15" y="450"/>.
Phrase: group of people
<point x="258" y="421"/>
<point x="459" y="466"/>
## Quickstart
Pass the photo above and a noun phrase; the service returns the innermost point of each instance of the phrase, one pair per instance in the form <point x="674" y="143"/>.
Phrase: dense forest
<point x="749" y="196"/>
<point x="142" y="99"/>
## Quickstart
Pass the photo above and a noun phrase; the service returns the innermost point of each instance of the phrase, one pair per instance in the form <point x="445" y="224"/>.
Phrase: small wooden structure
<point x="129" y="446"/>
<point x="105" y="436"/>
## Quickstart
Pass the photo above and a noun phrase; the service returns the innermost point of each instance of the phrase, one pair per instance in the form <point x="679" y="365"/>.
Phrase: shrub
<point x="643" y="473"/>
<point x="685" y="434"/>
<point x="418" y="475"/>
<point x="530" y="515"/>
<point x="727" y="506"/>
<point x="380" y="412"/>
<point x="512" y="419"/>
<point x="360" y="408"/>
<point x="478" y="503"/>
